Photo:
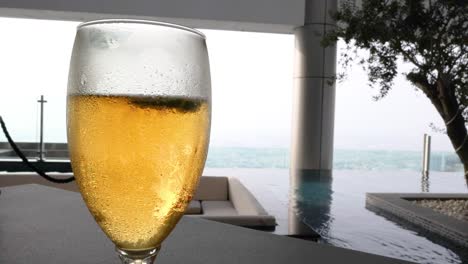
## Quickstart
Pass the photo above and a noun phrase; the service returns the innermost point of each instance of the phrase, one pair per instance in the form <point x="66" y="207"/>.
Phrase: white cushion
<point x="212" y="189"/>
<point x="243" y="200"/>
<point x="218" y="208"/>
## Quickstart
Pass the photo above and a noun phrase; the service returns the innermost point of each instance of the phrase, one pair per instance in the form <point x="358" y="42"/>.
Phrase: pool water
<point x="336" y="209"/>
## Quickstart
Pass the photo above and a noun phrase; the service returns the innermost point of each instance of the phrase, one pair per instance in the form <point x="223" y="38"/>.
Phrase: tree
<point x="431" y="35"/>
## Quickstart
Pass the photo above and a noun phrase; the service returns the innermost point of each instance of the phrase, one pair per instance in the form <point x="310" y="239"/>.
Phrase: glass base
<point x="138" y="257"/>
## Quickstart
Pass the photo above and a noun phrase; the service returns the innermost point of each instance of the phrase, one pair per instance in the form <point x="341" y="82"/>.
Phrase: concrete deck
<point x="400" y="205"/>
<point x="48" y="225"/>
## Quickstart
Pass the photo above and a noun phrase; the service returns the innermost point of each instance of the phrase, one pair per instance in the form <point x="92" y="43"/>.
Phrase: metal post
<point x="41" y="129"/>
<point x="426" y="155"/>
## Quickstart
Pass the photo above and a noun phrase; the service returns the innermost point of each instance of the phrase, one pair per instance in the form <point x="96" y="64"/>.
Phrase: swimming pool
<point x="336" y="209"/>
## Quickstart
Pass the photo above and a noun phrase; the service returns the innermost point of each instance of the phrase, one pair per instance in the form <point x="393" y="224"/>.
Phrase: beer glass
<point x="138" y="125"/>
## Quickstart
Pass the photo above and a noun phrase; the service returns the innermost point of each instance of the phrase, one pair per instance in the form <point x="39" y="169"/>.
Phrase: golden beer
<point x="137" y="161"/>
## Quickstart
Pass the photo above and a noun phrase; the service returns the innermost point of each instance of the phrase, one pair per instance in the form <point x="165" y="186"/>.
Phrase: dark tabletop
<point x="41" y="224"/>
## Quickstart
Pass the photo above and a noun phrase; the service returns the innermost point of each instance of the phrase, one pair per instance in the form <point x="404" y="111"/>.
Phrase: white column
<point x="314" y="92"/>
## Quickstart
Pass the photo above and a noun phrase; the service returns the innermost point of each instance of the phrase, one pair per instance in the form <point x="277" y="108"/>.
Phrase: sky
<point x="251" y="85"/>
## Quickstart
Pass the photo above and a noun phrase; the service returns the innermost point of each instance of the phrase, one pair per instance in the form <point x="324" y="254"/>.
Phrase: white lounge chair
<point x="227" y="200"/>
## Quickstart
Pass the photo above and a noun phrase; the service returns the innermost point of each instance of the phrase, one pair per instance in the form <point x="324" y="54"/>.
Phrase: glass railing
<point x="51" y="151"/>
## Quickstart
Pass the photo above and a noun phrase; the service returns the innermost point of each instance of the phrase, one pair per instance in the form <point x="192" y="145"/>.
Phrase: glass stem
<point x="138" y="257"/>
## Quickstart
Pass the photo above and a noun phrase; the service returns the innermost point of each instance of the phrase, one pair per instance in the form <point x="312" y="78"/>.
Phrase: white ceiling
<point x="274" y="16"/>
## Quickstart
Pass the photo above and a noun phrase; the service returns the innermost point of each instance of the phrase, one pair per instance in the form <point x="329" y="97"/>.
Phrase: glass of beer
<point x="138" y="125"/>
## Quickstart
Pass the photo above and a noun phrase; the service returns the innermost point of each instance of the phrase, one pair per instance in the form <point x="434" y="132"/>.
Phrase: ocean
<point x="366" y="160"/>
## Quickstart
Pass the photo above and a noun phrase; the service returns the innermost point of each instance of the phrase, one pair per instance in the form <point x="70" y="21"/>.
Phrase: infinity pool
<point x="336" y="210"/>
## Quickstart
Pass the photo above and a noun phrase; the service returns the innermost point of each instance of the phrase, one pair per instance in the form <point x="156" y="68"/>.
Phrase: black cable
<point x="26" y="161"/>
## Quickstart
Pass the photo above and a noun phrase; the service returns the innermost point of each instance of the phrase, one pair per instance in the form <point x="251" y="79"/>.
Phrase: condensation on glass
<point x="132" y="57"/>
